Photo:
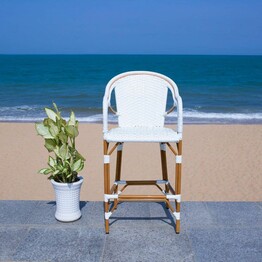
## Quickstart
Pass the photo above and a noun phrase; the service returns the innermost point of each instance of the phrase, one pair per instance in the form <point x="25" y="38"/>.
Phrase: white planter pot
<point x="67" y="200"/>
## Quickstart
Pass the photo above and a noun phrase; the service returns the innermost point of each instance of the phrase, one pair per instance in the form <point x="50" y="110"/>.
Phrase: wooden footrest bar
<point x="142" y="198"/>
<point x="141" y="182"/>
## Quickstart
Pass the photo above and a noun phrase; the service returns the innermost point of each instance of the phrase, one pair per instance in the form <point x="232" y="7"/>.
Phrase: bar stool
<point x="141" y="100"/>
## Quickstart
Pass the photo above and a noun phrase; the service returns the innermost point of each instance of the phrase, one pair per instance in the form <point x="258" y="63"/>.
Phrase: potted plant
<point x="64" y="162"/>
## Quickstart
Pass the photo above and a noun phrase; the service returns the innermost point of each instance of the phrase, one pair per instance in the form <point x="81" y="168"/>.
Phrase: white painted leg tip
<point x="106" y="159"/>
<point x="176" y="215"/>
<point x="107" y="215"/>
<point x="174" y="197"/>
<point x="108" y="197"/>
<point x="178" y="159"/>
<point x="163" y="147"/>
<point x="120" y="147"/>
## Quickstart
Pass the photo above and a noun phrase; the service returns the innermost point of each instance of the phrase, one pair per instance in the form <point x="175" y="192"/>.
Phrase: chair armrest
<point x="105" y="114"/>
<point x="179" y="115"/>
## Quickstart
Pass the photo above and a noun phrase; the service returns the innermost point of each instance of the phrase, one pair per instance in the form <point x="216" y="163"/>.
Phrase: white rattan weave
<point x="142" y="134"/>
<point x="67" y="200"/>
<point x="141" y="98"/>
<point x="141" y="101"/>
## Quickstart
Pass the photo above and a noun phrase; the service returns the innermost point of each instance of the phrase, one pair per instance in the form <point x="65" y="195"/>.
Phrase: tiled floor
<point x="210" y="231"/>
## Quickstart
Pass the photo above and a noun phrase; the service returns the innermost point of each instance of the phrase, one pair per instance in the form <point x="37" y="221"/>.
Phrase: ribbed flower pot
<point x="67" y="200"/>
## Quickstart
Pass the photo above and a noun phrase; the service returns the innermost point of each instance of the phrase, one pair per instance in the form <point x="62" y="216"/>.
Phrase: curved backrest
<point x="141" y="98"/>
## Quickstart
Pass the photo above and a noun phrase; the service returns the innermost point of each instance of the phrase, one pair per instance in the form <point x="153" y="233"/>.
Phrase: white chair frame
<point x="113" y="194"/>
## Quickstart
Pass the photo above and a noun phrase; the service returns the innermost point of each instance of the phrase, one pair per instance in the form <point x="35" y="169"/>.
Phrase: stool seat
<point x="142" y="134"/>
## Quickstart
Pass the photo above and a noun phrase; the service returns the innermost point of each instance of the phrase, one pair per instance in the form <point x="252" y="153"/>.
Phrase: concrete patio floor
<point x="210" y="231"/>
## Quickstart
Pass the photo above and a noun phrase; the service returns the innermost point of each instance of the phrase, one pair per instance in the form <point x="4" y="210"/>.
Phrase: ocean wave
<point x="190" y="116"/>
<point x="19" y="108"/>
<point x="34" y="113"/>
<point x="215" y="115"/>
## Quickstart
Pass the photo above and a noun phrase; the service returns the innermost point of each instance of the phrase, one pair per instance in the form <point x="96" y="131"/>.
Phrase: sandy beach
<point x="220" y="163"/>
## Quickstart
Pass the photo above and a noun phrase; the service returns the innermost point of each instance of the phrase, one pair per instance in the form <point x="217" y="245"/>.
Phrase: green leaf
<point x="79" y="156"/>
<point x="50" y="144"/>
<point x="68" y="163"/>
<point x="42" y="171"/>
<point x="60" y="167"/>
<point x="63" y="122"/>
<point x="63" y="151"/>
<point x="76" y="165"/>
<point x="56" y="108"/>
<point x="81" y="167"/>
<point x="69" y="175"/>
<point x="46" y="121"/>
<point x="60" y="123"/>
<point x="43" y="131"/>
<point x="72" y="119"/>
<point x="56" y="172"/>
<point x="45" y="171"/>
<point x="48" y="171"/>
<point x="51" y="162"/>
<point x="63" y="137"/>
<point x="51" y="177"/>
<point x="57" y="151"/>
<point x="51" y="114"/>
<point x="54" y="131"/>
<point x="71" y="131"/>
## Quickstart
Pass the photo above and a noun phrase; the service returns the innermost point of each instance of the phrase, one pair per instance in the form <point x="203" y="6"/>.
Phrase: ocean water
<point x="214" y="89"/>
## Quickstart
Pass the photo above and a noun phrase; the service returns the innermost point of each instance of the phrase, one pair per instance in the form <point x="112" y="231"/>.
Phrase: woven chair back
<point x="141" y="98"/>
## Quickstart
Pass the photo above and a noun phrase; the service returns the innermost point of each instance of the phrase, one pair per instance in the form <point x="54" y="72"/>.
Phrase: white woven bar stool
<point x="141" y="99"/>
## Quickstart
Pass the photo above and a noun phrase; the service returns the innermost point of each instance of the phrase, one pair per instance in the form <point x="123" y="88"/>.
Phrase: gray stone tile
<point x="139" y="231"/>
<point x="92" y="215"/>
<point x="136" y="214"/>
<point x="160" y="215"/>
<point x="44" y="214"/>
<point x="10" y="238"/>
<point x="195" y="214"/>
<point x="220" y="244"/>
<point x="235" y="213"/>
<point x="146" y="244"/>
<point x="61" y="244"/>
<point x="16" y="212"/>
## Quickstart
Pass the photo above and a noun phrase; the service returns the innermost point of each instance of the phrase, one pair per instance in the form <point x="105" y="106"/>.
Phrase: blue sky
<point x="131" y="27"/>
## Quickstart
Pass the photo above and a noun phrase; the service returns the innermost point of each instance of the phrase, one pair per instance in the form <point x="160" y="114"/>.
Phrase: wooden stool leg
<point x="106" y="183"/>
<point x="164" y="165"/>
<point x="178" y="184"/>
<point x="118" y="169"/>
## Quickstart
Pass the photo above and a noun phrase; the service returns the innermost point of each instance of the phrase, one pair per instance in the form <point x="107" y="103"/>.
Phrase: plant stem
<point x="74" y="143"/>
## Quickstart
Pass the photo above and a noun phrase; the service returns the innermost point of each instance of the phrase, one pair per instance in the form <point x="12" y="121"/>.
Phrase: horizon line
<point x="131" y="54"/>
